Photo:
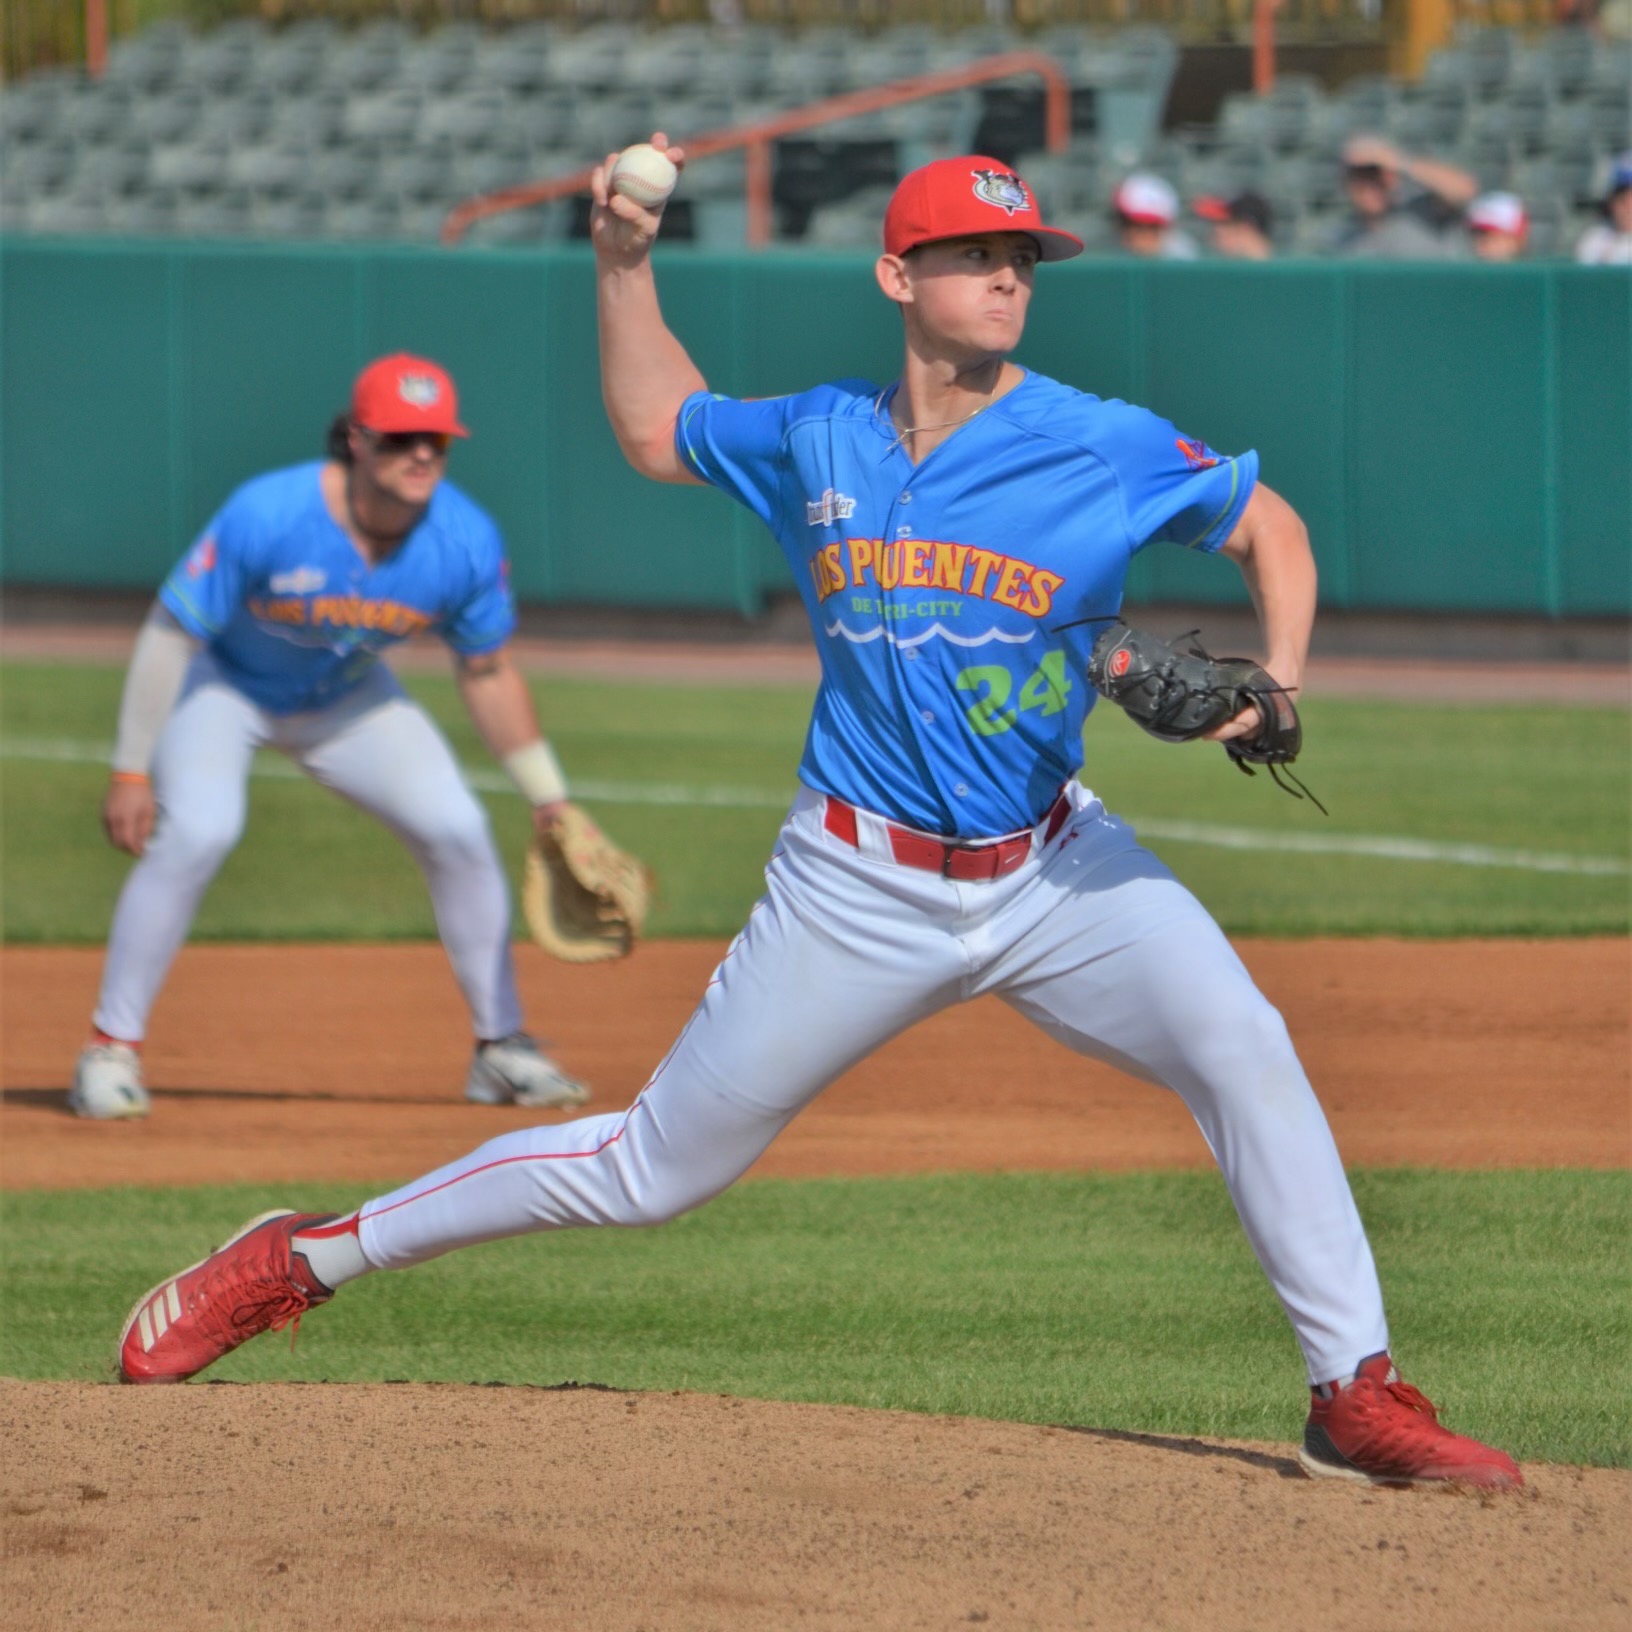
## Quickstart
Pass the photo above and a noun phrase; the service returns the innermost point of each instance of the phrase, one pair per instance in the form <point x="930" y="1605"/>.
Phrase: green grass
<point x="1126" y="1301"/>
<point x="1521" y="778"/>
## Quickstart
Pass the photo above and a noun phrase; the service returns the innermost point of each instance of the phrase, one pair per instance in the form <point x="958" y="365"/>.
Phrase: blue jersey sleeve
<point x="1176" y="489"/>
<point x="734" y="446"/>
<point x="486" y="618"/>
<point x="206" y="587"/>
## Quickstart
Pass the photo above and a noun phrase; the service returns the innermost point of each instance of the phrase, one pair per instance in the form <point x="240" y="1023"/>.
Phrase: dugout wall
<point x="1458" y="437"/>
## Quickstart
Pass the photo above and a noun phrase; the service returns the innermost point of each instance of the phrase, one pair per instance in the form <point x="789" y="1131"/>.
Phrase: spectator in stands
<point x="1243" y="226"/>
<point x="1401" y="207"/>
<point x="1609" y="242"/>
<point x="1145" y="209"/>
<point x="1497" y="227"/>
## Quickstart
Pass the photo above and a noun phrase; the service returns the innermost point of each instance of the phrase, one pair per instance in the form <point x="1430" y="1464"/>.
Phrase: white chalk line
<point x="1381" y="847"/>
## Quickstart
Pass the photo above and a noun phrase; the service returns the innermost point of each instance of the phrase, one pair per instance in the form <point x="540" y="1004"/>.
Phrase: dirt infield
<point x="346" y="1063"/>
<point x="375" y="1509"/>
<point x="226" y="1508"/>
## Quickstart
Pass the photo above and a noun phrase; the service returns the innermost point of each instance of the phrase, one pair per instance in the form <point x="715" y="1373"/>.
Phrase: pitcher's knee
<point x="1243" y="1040"/>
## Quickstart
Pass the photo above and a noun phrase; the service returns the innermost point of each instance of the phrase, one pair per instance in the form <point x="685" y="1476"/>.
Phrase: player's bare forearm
<point x="1270" y="544"/>
<point x="645" y="372"/>
<point x="497" y="699"/>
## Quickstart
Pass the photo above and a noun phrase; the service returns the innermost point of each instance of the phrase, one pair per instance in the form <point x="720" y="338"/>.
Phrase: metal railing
<point x="756" y="138"/>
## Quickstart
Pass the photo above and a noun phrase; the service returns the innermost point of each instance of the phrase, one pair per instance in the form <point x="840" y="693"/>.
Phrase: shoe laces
<point x="1413" y="1399"/>
<point x="243" y="1300"/>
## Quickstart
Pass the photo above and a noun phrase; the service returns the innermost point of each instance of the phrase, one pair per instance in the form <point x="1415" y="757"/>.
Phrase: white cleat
<point x="108" y="1083"/>
<point x="514" y="1071"/>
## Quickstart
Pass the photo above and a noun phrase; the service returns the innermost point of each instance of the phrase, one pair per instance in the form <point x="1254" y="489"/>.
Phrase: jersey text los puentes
<point x="926" y="564"/>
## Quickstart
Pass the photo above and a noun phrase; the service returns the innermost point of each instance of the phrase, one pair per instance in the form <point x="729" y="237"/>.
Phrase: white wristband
<point x="536" y="772"/>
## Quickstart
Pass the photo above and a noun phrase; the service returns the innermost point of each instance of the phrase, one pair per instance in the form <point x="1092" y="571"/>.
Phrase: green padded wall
<point x="1459" y="438"/>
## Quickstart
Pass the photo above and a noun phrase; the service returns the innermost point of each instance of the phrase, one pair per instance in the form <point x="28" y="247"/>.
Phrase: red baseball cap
<point x="403" y="393"/>
<point x="959" y="198"/>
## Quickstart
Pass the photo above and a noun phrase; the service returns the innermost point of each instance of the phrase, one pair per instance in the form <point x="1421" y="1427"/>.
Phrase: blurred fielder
<point x="268" y="634"/>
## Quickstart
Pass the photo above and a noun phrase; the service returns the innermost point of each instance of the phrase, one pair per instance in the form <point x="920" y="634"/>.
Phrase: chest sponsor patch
<point x="299" y="581"/>
<point x="830" y="507"/>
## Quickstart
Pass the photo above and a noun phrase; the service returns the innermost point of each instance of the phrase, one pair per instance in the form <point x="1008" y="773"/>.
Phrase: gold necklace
<point x="904" y="431"/>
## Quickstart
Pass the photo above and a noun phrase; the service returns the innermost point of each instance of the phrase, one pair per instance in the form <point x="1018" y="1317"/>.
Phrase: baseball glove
<point x="1180" y="692"/>
<point x="584" y="899"/>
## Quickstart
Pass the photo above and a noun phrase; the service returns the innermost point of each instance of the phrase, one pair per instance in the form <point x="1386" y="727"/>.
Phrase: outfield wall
<point x="1459" y="438"/>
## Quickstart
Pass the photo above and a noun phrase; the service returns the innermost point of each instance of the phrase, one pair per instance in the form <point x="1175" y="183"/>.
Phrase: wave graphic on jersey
<point x="879" y="632"/>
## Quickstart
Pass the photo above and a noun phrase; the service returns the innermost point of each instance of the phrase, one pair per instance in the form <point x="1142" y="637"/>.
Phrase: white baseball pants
<point x="1092" y="938"/>
<point x="374" y="747"/>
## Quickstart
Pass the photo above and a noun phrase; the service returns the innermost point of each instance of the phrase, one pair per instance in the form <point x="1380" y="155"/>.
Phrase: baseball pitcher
<point x="960" y="535"/>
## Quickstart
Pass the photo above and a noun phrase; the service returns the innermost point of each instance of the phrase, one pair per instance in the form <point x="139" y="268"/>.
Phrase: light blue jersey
<point x="296" y="616"/>
<point x="953" y="693"/>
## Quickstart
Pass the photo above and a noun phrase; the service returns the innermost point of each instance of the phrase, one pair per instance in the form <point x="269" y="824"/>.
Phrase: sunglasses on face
<point x="394" y="443"/>
<point x="1368" y="173"/>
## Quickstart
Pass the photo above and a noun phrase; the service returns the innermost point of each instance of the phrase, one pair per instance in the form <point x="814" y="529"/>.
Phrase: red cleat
<point x="255" y="1283"/>
<point x="1382" y="1431"/>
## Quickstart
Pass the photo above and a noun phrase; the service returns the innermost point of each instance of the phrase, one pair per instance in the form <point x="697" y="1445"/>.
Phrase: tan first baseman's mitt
<point x="584" y="899"/>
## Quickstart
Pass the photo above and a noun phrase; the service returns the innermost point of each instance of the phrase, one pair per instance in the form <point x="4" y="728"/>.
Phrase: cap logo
<point x="1002" y="188"/>
<point x="418" y="390"/>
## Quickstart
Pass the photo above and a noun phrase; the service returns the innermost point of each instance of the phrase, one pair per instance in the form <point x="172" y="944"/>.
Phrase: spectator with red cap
<point x="1498" y="227"/>
<point x="268" y="634"/>
<point x="1242" y="225"/>
<point x="961" y="535"/>
<point x="1609" y="242"/>
<point x="1146" y="209"/>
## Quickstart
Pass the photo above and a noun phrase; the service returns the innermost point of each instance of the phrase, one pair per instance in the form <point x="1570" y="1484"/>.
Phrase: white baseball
<point x="644" y="175"/>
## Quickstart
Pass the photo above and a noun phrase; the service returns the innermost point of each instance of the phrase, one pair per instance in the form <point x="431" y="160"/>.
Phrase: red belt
<point x="965" y="863"/>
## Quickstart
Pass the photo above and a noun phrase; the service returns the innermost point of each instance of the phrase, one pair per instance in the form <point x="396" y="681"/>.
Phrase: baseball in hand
<point x="644" y="175"/>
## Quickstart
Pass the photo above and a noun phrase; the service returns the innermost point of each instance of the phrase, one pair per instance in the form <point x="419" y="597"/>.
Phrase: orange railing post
<point x="757" y="137"/>
<point x="1263" y="45"/>
<point x="96" y="37"/>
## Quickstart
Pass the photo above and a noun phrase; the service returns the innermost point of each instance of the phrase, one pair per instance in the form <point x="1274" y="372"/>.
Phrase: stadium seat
<point x="516" y="60"/>
<point x="1490" y="53"/>
<point x="112" y="171"/>
<point x="360" y="64"/>
<point x="291" y="216"/>
<point x="166" y="117"/>
<point x="267" y="172"/>
<point x="219" y="62"/>
<point x="217" y="215"/>
<point x="463" y="120"/>
<point x="187" y="167"/>
<point x="591" y="59"/>
<point x="62" y="213"/>
<point x="389" y="116"/>
<point x="441" y="63"/>
<point x="547" y="120"/>
<point x="35" y="168"/>
<point x="306" y="122"/>
<point x="147" y="213"/>
<point x="362" y="218"/>
<point x="1569" y="53"/>
<point x="234" y="121"/>
<point x="150" y="59"/>
<point x="486" y="171"/>
<point x="414" y="176"/>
